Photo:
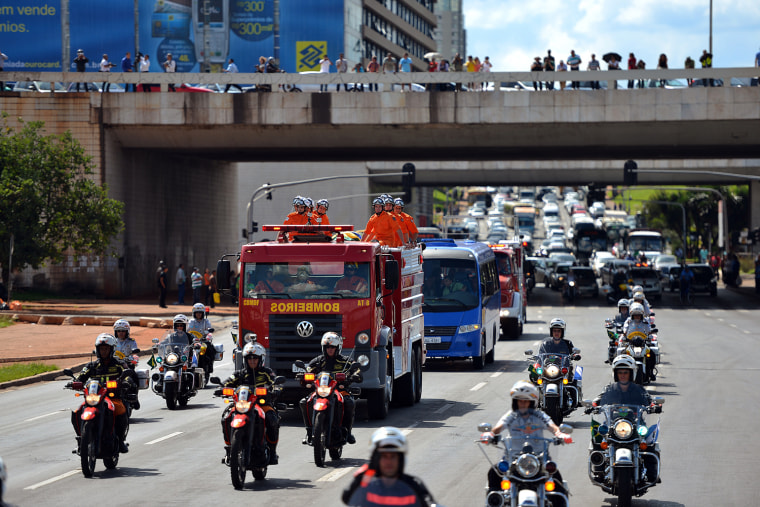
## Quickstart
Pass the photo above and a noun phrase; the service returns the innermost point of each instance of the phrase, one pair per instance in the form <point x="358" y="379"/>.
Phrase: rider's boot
<point x="226" y="458"/>
<point x="274" y="459"/>
<point x="307" y="439"/>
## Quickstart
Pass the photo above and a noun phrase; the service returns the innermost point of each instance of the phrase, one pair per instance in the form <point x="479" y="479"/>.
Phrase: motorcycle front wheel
<point x="238" y="459"/>
<point x="554" y="410"/>
<point x="87" y="449"/>
<point x="336" y="452"/>
<point x="320" y="439"/>
<point x="170" y="394"/>
<point x="624" y="486"/>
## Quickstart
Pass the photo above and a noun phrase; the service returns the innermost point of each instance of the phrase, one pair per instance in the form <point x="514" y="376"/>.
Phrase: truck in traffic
<point x="510" y="262"/>
<point x="292" y="291"/>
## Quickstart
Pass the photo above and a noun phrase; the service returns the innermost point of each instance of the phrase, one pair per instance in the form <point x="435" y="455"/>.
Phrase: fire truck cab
<point x="304" y="284"/>
<point x="510" y="262"/>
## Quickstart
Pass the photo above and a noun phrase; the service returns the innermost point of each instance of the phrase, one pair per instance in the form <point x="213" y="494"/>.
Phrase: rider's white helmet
<point x="639" y="296"/>
<point x="105" y="339"/>
<point x="637" y="309"/>
<point x="121" y="325"/>
<point x="623" y="302"/>
<point x="254" y="349"/>
<point x="388" y="439"/>
<point x="523" y="390"/>
<point x="557" y="323"/>
<point x="199" y="307"/>
<point x="638" y="288"/>
<point x="623" y="362"/>
<point x="332" y="339"/>
<point x="180" y="318"/>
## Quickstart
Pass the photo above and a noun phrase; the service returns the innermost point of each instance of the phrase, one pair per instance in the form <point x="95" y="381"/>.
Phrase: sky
<point x="512" y="33"/>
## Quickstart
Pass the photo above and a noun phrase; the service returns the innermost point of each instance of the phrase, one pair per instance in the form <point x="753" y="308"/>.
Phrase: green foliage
<point x="17" y="371"/>
<point x="49" y="202"/>
<point x="5" y="321"/>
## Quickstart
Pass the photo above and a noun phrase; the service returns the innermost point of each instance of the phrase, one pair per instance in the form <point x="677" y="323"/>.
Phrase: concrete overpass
<point x="172" y="157"/>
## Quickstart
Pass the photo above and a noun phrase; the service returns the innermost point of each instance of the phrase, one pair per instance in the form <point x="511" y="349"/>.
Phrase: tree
<point x="49" y="203"/>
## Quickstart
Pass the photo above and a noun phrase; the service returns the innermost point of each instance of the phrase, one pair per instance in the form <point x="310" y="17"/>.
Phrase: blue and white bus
<point x="462" y="300"/>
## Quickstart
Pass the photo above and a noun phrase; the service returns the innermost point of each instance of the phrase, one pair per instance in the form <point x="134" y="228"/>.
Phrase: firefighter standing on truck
<point x="408" y="219"/>
<point x="388" y="208"/>
<point x="382" y="226"/>
<point x="333" y="362"/>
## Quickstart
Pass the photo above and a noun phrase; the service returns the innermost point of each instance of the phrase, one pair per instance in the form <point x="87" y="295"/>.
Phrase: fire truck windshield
<point x="306" y="280"/>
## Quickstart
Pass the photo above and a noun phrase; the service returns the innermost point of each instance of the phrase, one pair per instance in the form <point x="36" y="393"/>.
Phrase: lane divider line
<point x="54" y="479"/>
<point x="478" y="386"/>
<point x="44" y="415"/>
<point x="496" y="374"/>
<point x="335" y="474"/>
<point x="170" y="435"/>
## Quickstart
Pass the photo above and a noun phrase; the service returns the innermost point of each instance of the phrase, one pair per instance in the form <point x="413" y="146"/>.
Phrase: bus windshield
<point x="306" y="280"/>
<point x="645" y="244"/>
<point x="450" y="285"/>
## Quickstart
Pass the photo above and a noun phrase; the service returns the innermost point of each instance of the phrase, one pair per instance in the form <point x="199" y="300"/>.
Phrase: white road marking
<point x="734" y="325"/>
<point x="407" y="431"/>
<point x="335" y="474"/>
<point x="747" y="332"/>
<point x="478" y="386"/>
<point x="170" y="435"/>
<point x="44" y="415"/>
<point x="444" y="408"/>
<point x="498" y="373"/>
<point x="54" y="479"/>
<point x="721" y="320"/>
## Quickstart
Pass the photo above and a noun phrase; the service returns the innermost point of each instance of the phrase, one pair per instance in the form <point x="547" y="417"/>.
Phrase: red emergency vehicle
<point x="293" y="291"/>
<point x="510" y="262"/>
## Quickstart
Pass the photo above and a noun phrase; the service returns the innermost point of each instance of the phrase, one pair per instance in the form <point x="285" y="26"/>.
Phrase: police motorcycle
<point x="568" y="290"/>
<point x="178" y="378"/>
<point x="624" y="455"/>
<point x="325" y="404"/>
<point x="207" y="351"/>
<point x="559" y="386"/>
<point x="130" y="399"/>
<point x="635" y="345"/>
<point x="97" y="437"/>
<point x="248" y="443"/>
<point x="613" y="331"/>
<point x="527" y="473"/>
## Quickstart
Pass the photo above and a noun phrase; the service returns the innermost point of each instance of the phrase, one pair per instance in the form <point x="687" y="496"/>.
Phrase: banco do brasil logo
<point x="308" y="54"/>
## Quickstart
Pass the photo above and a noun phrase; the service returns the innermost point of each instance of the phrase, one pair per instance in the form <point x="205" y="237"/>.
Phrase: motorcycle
<point x="248" y="442"/>
<point x="617" y="291"/>
<point x="97" y="437"/>
<point x="560" y="387"/>
<point x="526" y="472"/>
<point x="635" y="345"/>
<point x="176" y="381"/>
<point x="613" y="331"/>
<point x="130" y="399"/>
<point x="568" y="289"/>
<point x="326" y="409"/>
<point x="624" y="455"/>
<point x="209" y="351"/>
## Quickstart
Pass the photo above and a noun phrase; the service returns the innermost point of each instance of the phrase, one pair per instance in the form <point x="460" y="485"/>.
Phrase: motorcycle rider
<point x="107" y="367"/>
<point x="623" y="307"/>
<point x="180" y="322"/>
<point x="558" y="344"/>
<point x="636" y="321"/>
<point x="201" y="324"/>
<point x="254" y="374"/>
<point x="125" y="344"/>
<point x="382" y="481"/>
<point x="332" y="361"/>
<point x="639" y="297"/>
<point x="523" y="421"/>
<point x="618" y="279"/>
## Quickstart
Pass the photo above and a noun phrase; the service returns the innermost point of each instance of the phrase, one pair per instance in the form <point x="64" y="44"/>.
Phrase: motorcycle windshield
<point x="173" y="342"/>
<point x="516" y="445"/>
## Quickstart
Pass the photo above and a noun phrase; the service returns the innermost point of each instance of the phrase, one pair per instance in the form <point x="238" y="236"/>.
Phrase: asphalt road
<point x="708" y="386"/>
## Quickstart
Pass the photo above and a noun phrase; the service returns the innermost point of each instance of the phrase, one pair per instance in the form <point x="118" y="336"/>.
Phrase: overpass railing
<point x="284" y="79"/>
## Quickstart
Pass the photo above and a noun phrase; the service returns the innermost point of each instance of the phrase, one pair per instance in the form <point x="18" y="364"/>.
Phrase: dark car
<point x="543" y="268"/>
<point x="559" y="275"/>
<point x="649" y="279"/>
<point x="608" y="269"/>
<point x="704" y="280"/>
<point x="585" y="281"/>
<point x="666" y="272"/>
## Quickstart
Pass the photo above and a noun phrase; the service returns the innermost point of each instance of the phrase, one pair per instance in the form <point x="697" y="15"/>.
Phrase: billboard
<point x="30" y="32"/>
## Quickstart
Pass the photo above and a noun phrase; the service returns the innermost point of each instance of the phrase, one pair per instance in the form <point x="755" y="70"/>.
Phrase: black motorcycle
<point x="624" y="457"/>
<point x="248" y="442"/>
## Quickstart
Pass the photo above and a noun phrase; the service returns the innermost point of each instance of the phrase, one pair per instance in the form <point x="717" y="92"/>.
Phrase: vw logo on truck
<point x="305" y="329"/>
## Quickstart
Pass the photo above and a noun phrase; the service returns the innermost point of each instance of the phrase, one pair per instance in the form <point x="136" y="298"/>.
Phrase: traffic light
<point x="269" y="193"/>
<point x="408" y="181"/>
<point x="630" y="176"/>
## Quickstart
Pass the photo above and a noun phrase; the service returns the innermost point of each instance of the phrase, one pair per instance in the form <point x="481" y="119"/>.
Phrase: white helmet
<point x="638" y="288"/>
<point x="180" y="318"/>
<point x="199" y="307"/>
<point x="623" y="362"/>
<point x="388" y="439"/>
<point x="623" y="302"/>
<point x="254" y="349"/>
<point x="637" y="309"/>
<point x="523" y="390"/>
<point x="121" y="325"/>
<point x="333" y="339"/>
<point x="557" y="323"/>
<point x="638" y="296"/>
<point x="106" y="339"/>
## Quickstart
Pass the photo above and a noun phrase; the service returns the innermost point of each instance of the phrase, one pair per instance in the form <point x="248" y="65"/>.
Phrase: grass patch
<point x="5" y="321"/>
<point x="28" y="294"/>
<point x="17" y="371"/>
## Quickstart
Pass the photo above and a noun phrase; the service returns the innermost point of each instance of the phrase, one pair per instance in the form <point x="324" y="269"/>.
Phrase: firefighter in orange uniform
<point x="382" y="227"/>
<point x="408" y="219"/>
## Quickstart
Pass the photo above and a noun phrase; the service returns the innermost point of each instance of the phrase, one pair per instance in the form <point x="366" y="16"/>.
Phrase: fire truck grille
<point x="287" y="345"/>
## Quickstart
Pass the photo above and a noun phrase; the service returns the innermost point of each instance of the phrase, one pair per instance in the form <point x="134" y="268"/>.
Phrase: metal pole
<point x="10" y="270"/>
<point x="205" y="38"/>
<point x="277" y="33"/>
<point x="65" y="37"/>
<point x="711" y="16"/>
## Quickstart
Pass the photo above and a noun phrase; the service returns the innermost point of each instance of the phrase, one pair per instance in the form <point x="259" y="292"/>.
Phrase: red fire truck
<point x="294" y="289"/>
<point x="510" y="261"/>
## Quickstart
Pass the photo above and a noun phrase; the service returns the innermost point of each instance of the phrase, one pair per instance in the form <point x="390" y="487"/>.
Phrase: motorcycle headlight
<point x="92" y="399"/>
<point x="528" y="465"/>
<point x="242" y="406"/>
<point x="551" y="371"/>
<point x="469" y="328"/>
<point x="623" y="429"/>
<point x="172" y="359"/>
<point x="323" y="391"/>
<point x="572" y="284"/>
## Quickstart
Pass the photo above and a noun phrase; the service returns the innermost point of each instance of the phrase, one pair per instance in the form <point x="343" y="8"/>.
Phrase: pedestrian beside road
<point x="662" y="63"/>
<point x="456" y="66"/>
<point x="470" y="67"/>
<point x="324" y="68"/>
<point x="206" y="286"/>
<point x="106" y="66"/>
<point x="613" y="64"/>
<point x="706" y="61"/>
<point x="389" y="65"/>
<point x="631" y="66"/>
<point x="594" y="65"/>
<point x="562" y="67"/>
<point x="359" y="69"/>
<point x="641" y="65"/>
<point x="170" y="66"/>
<point x="162" y="284"/>
<point x="181" y="279"/>
<point x="232" y="68"/>
<point x="126" y="66"/>
<point x="341" y="65"/>
<point x="689" y="64"/>
<point x="214" y="288"/>
<point x="374" y="67"/>
<point x="574" y="62"/>
<point x="536" y="66"/>
<point x="405" y="65"/>
<point x="81" y="63"/>
<point x="196" y="280"/>
<point x="145" y="67"/>
<point x="486" y="66"/>
<point x="549" y="66"/>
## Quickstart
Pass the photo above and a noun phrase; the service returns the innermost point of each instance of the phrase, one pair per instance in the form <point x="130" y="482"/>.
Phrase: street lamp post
<point x="711" y="16"/>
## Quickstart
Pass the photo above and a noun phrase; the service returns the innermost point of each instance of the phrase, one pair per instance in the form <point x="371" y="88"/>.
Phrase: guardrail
<point x="284" y="78"/>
